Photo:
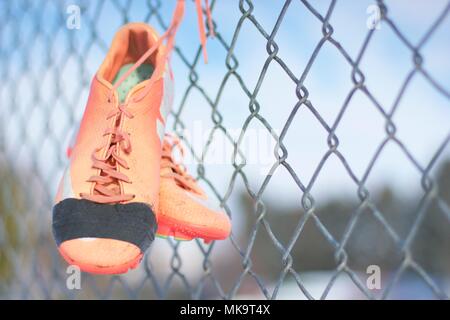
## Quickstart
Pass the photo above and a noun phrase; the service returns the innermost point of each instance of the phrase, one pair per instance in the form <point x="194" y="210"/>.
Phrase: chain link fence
<point x="45" y="72"/>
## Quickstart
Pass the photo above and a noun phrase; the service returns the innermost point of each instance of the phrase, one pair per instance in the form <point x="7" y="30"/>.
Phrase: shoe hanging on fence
<point x="184" y="210"/>
<point x="104" y="217"/>
<point x="104" y="214"/>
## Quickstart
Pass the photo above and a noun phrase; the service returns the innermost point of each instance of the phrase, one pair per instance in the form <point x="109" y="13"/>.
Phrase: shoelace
<point x="121" y="140"/>
<point x="169" y="36"/>
<point x="177" y="171"/>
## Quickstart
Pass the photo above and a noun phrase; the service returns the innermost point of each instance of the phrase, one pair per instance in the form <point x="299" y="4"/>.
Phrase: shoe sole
<point x="117" y="269"/>
<point x="187" y="232"/>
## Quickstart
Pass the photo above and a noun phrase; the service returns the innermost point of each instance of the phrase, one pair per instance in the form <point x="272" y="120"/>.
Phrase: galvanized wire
<point x="39" y="271"/>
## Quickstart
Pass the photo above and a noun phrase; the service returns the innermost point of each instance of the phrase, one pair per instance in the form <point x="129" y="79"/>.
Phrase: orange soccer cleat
<point x="104" y="214"/>
<point x="105" y="211"/>
<point x="184" y="212"/>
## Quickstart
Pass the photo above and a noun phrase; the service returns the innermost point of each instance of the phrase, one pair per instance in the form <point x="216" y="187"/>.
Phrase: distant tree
<point x="12" y="205"/>
<point x="369" y="243"/>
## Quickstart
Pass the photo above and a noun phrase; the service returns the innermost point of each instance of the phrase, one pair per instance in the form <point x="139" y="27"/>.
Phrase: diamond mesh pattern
<point x="46" y="70"/>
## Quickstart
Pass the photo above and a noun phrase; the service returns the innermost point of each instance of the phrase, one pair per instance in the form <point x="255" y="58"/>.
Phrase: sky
<point x="422" y="116"/>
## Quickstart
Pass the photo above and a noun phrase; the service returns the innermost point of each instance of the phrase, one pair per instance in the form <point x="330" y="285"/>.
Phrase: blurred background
<point x="321" y="127"/>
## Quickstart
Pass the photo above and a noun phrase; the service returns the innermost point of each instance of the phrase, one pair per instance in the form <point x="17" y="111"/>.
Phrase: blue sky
<point x="422" y="117"/>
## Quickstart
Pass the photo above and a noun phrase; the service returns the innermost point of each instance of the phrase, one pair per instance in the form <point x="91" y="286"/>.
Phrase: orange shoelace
<point x="106" y="188"/>
<point x="177" y="171"/>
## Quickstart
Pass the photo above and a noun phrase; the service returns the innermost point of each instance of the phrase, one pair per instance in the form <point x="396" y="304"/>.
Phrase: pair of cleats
<point x="123" y="185"/>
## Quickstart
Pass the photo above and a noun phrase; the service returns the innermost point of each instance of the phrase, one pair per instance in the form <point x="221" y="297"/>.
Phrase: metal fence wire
<point x="41" y="104"/>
